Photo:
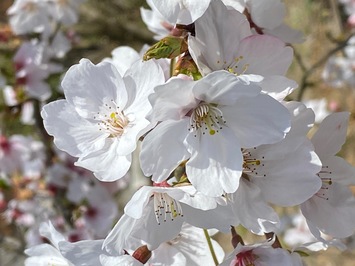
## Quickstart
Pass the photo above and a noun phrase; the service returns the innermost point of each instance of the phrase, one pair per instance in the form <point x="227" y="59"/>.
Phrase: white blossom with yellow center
<point x="103" y="115"/>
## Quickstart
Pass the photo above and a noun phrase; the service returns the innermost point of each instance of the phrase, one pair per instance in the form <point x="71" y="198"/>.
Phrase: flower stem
<point x="210" y="246"/>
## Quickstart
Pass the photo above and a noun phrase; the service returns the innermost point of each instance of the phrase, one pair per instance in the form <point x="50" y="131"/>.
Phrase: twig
<point x="308" y="72"/>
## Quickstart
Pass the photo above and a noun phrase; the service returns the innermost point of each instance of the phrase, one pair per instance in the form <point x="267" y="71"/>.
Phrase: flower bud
<point x="168" y="47"/>
<point x="186" y="65"/>
<point x="142" y="254"/>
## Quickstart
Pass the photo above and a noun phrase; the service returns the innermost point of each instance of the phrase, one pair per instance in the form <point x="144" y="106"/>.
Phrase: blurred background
<point x="106" y="24"/>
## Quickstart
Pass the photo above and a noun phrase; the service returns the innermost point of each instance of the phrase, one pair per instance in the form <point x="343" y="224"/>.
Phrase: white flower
<point x="156" y="214"/>
<point x="229" y="44"/>
<point x="208" y="122"/>
<point x="103" y="115"/>
<point x="27" y="16"/>
<point x="31" y="70"/>
<point x="332" y="209"/>
<point x="271" y="170"/>
<point x="20" y="153"/>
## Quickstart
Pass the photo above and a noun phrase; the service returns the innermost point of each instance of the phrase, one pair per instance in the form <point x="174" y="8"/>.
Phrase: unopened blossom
<point x="207" y="122"/>
<point x="103" y="115"/>
<point x="229" y="44"/>
<point x="332" y="209"/>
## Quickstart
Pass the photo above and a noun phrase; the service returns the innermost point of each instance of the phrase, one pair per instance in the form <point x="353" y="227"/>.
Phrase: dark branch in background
<point x="307" y="72"/>
<point x="45" y="138"/>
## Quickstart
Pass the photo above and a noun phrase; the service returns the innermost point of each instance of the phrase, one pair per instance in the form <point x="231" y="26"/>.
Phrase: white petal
<point x="216" y="41"/>
<point x="84" y="253"/>
<point x="331" y="134"/>
<point x="277" y="86"/>
<point x="48" y="231"/>
<point x="257" y="120"/>
<point x="145" y="75"/>
<point x="222" y="87"/>
<point x="338" y="170"/>
<point x="71" y="132"/>
<point x="268" y="14"/>
<point x="285" y="33"/>
<point x="169" y="9"/>
<point x="215" y="164"/>
<point x="107" y="164"/>
<point x="163" y="149"/>
<point x="265" y="55"/>
<point x="334" y="212"/>
<point x="296" y="170"/>
<point x="123" y="57"/>
<point x="167" y="107"/>
<point x="134" y="208"/>
<point x="220" y="218"/>
<point x="254" y="213"/>
<point x="87" y="85"/>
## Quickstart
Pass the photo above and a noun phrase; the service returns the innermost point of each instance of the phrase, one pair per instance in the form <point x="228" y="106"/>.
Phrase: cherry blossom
<point x="103" y="115"/>
<point x="208" y="122"/>
<point x="332" y="209"/>
<point x="229" y="44"/>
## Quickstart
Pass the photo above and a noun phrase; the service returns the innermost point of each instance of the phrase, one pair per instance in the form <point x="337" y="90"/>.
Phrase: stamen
<point x="206" y="117"/>
<point x="232" y="68"/>
<point x="253" y="166"/>
<point x="164" y="204"/>
<point x="246" y="258"/>
<point x="323" y="192"/>
<point x="112" y="120"/>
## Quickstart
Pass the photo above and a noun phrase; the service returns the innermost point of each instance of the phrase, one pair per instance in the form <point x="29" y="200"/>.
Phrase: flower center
<point x="236" y="67"/>
<point x="253" y="166"/>
<point x="323" y="192"/>
<point x="246" y="258"/>
<point x="206" y="118"/>
<point x="164" y="206"/>
<point x="112" y="120"/>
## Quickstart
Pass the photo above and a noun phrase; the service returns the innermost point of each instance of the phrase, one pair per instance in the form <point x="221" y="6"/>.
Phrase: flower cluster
<point x="205" y="111"/>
